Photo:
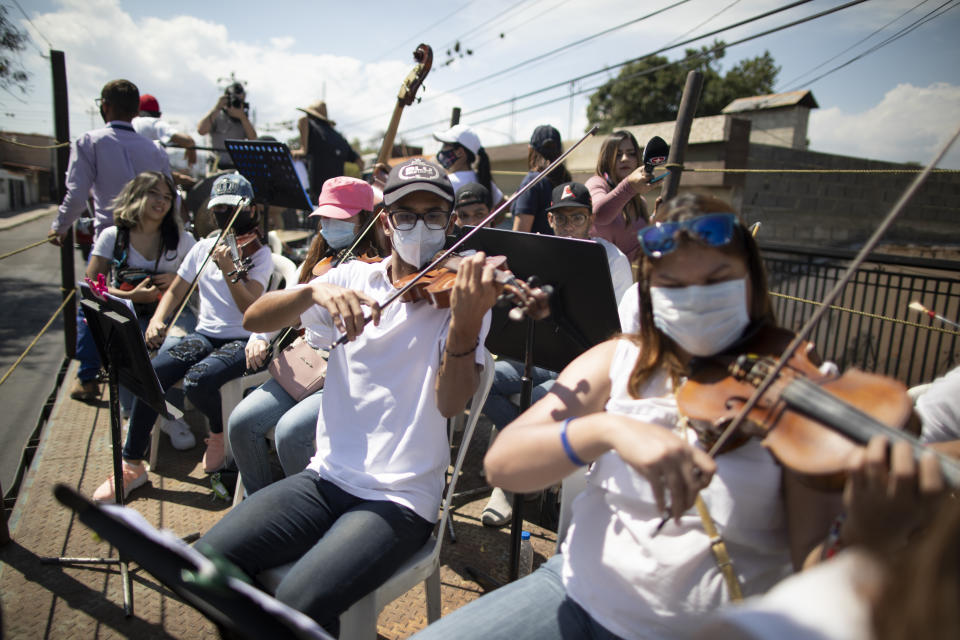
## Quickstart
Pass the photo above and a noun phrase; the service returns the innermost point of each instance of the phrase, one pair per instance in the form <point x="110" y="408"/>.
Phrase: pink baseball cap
<point x="344" y="197"/>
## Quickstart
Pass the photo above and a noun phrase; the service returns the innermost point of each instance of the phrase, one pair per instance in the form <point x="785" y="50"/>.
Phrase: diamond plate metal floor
<point x="48" y="601"/>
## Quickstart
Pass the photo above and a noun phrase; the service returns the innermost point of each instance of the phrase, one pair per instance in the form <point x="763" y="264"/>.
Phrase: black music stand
<point x="123" y="351"/>
<point x="268" y="166"/>
<point x="226" y="600"/>
<point x="583" y="313"/>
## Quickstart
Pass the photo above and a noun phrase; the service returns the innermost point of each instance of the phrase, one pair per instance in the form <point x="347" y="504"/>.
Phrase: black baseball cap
<point x="543" y="136"/>
<point x="570" y="194"/>
<point x="417" y="175"/>
<point x="473" y="193"/>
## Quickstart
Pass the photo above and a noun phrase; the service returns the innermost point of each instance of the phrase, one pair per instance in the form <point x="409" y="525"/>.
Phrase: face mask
<point x="702" y="320"/>
<point x="418" y="245"/>
<point x="337" y="233"/>
<point x="447" y="158"/>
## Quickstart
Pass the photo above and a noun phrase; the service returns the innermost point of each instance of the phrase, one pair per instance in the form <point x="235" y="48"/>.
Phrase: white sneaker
<point x="498" y="510"/>
<point x="181" y="437"/>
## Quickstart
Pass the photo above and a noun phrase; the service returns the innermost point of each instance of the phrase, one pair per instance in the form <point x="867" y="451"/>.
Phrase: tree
<point x="12" y="41"/>
<point x="649" y="90"/>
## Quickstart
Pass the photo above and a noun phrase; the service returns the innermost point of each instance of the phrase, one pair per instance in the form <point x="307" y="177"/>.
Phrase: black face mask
<point x="245" y="222"/>
<point x="447" y="157"/>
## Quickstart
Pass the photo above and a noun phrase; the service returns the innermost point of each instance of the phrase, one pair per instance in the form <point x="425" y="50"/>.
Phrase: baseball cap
<point x="473" y="193"/>
<point x="230" y="189"/>
<point x="542" y="136"/>
<point x="343" y="197"/>
<point x="570" y="194"/>
<point x="149" y="103"/>
<point x="416" y="175"/>
<point x="461" y="134"/>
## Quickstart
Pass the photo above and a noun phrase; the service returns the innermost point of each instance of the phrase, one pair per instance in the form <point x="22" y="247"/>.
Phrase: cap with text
<point x="230" y="189"/>
<point x="417" y="175"/>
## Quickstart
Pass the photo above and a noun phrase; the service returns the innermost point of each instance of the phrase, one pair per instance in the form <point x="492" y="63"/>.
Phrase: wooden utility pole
<point x="61" y="133"/>
<point x="455" y="117"/>
<point x="681" y="134"/>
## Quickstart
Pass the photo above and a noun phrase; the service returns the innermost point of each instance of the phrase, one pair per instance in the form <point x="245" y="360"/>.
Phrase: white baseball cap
<point x="461" y="134"/>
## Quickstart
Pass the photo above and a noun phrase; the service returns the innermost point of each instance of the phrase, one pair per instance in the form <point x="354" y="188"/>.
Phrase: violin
<point x="436" y="285"/>
<point x="332" y="262"/>
<point x="812" y="422"/>
<point x="242" y="248"/>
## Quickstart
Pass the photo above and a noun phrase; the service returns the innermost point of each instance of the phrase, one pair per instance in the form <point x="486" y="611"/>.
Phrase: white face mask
<point x="702" y="320"/>
<point x="337" y="233"/>
<point x="417" y="246"/>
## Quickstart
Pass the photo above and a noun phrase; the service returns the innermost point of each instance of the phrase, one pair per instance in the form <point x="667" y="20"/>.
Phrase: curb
<point x="27" y="216"/>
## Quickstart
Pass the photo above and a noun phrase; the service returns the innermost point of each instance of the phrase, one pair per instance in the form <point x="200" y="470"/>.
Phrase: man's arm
<point x="81" y="172"/>
<point x="206" y="123"/>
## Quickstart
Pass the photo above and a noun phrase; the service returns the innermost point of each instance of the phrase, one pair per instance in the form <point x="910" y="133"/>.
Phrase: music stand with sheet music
<point x="583" y="313"/>
<point x="268" y="166"/>
<point x="224" y="599"/>
<point x="123" y="352"/>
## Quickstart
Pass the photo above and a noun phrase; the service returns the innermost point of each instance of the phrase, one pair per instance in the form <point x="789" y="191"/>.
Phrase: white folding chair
<point x="359" y="622"/>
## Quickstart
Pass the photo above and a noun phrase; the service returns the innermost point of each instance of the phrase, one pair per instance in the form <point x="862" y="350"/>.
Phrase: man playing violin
<point x="370" y="496"/>
<point x="214" y="353"/>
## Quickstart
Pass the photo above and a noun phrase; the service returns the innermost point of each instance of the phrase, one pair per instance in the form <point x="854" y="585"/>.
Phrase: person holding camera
<point x="228" y="120"/>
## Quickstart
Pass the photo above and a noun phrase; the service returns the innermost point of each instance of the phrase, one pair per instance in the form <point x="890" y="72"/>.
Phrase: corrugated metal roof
<point x="773" y="101"/>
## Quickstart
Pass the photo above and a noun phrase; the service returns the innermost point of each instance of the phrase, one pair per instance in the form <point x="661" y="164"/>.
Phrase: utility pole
<point x="61" y="133"/>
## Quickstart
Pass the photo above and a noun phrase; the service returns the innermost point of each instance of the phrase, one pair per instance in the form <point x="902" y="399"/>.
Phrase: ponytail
<point x="483" y="169"/>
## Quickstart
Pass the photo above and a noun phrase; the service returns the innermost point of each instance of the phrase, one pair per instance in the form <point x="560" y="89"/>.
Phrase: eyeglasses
<point x="712" y="229"/>
<point x="406" y="220"/>
<point x="572" y="220"/>
<point x="98" y="102"/>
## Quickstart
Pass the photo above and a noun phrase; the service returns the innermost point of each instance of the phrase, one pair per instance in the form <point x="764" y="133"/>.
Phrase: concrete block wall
<point x="842" y="210"/>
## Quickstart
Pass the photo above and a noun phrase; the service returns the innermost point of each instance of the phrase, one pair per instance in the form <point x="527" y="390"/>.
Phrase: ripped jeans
<point x="205" y="364"/>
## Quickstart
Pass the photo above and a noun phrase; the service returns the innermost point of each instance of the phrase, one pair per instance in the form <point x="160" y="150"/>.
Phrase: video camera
<point x="235" y="95"/>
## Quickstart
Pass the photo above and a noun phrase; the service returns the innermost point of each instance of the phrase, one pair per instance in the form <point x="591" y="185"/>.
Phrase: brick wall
<point x="842" y="210"/>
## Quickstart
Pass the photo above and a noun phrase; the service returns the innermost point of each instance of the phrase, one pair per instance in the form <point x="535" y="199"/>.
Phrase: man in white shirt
<point x="150" y="126"/>
<point x="370" y="496"/>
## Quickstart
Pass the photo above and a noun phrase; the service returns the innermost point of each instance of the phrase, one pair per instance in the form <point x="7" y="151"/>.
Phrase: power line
<point x="644" y="72"/>
<point x="689" y="31"/>
<point x="476" y="28"/>
<point x="905" y="31"/>
<point x="426" y="30"/>
<point x="30" y="22"/>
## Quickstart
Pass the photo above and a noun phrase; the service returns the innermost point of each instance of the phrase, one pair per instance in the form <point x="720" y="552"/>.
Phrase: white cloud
<point x="909" y="124"/>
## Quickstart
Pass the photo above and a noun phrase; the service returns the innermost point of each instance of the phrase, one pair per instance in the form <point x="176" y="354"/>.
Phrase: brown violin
<point x="242" y="249"/>
<point x="810" y="421"/>
<point x="332" y="262"/>
<point x="436" y="286"/>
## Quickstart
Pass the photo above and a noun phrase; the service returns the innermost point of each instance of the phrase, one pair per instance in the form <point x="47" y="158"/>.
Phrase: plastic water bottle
<point x="526" y="554"/>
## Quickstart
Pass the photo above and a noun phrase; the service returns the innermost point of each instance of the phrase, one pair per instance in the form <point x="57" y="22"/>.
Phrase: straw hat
<point x="318" y="110"/>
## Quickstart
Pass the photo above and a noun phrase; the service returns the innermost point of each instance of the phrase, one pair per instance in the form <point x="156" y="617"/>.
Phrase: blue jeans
<point x="296" y="427"/>
<point x="344" y="547"/>
<point x="507" y="380"/>
<point x="533" y="608"/>
<point x="204" y="364"/>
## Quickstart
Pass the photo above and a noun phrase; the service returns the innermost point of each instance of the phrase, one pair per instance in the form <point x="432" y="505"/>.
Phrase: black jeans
<point x="344" y="547"/>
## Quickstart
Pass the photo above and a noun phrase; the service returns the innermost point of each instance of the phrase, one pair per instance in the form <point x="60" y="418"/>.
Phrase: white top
<point x="639" y="586"/>
<point x="629" y="309"/>
<point x="380" y="435"/>
<point x="939" y="409"/>
<point x="620" y="272"/>
<point x="169" y="261"/>
<point x="153" y="128"/>
<point x="219" y="316"/>
<point x="460" y="178"/>
<point x="830" y="601"/>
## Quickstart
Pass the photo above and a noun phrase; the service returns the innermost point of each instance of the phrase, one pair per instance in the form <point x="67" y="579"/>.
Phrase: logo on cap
<point x="418" y="170"/>
<point x="567" y="193"/>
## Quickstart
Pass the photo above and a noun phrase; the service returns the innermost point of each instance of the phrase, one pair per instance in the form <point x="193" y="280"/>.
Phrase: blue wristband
<point x="567" y="449"/>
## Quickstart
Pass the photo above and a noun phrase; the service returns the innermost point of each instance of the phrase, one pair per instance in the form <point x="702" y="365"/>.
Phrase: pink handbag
<point x="300" y="369"/>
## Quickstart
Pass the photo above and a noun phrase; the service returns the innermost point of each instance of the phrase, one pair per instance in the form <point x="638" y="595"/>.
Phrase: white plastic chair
<point x="359" y="622"/>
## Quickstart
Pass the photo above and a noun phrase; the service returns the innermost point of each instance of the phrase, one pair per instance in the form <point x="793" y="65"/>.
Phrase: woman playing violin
<point x="213" y="353"/>
<point x="701" y="287"/>
<point x="344" y="208"/>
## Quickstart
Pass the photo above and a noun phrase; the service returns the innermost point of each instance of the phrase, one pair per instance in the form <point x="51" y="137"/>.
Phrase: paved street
<point x="29" y="294"/>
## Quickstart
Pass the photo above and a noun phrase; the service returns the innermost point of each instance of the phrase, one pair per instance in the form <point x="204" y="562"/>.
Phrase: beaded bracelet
<point x="465" y="353"/>
<point x="567" y="449"/>
<point x="832" y="545"/>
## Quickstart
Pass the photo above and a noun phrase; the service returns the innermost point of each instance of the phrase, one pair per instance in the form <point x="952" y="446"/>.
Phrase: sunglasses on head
<point x="712" y="229"/>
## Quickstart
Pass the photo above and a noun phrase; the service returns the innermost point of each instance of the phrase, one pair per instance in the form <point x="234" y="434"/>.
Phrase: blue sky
<point x="894" y="104"/>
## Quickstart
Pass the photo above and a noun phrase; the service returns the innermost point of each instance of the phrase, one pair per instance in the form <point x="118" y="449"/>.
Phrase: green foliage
<point x="12" y="42"/>
<point x="650" y="90"/>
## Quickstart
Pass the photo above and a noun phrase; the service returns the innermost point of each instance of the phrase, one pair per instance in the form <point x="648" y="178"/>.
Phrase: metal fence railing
<point x="870" y="326"/>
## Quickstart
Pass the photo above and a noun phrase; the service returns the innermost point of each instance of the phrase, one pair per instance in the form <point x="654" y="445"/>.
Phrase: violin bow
<point x="828" y="300"/>
<point x="493" y="214"/>
<point x="193" y="284"/>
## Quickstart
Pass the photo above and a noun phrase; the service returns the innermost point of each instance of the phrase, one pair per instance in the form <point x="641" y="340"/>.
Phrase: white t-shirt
<point x="219" y="316"/>
<point x="629" y="309"/>
<point x="169" y="261"/>
<point x="380" y="435"/>
<point x="153" y="128"/>
<point x="620" y="272"/>
<point x="939" y="409"/>
<point x="640" y="586"/>
<point x="460" y="178"/>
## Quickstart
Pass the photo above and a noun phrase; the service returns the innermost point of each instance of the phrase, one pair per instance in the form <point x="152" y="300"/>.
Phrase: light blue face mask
<point x="337" y="233"/>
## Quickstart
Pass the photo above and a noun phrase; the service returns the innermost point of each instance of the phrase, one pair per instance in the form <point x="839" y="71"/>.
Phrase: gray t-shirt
<point x="223" y="127"/>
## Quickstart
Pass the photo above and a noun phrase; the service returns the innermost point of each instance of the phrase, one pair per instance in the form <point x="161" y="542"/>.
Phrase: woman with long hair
<point x="619" y="573"/>
<point x="617" y="192"/>
<point x="530" y="209"/>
